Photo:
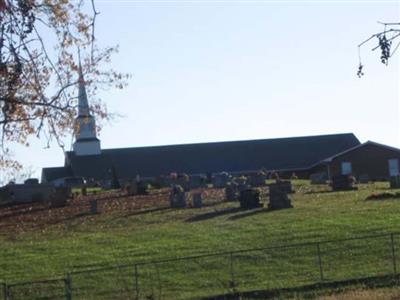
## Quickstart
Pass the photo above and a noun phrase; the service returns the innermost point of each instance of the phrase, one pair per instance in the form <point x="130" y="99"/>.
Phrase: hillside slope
<point x="37" y="242"/>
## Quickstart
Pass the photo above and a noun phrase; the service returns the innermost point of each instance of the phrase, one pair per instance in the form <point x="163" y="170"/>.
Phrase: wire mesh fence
<point x="357" y="258"/>
<point x="223" y="273"/>
<point x="3" y="291"/>
<point x="45" y="289"/>
<point x="108" y="283"/>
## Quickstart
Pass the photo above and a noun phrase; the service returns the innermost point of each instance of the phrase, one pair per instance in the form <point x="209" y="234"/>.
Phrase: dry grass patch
<point x="365" y="294"/>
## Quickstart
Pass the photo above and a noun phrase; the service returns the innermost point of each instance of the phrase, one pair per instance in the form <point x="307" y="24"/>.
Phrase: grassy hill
<point x="38" y="243"/>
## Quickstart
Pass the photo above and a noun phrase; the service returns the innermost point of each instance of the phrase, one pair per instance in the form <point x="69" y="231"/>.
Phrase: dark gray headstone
<point x="318" y="178"/>
<point x="249" y="198"/>
<point x="60" y="197"/>
<point x="197" y="181"/>
<point x="197" y="200"/>
<point x="395" y="182"/>
<point x="31" y="181"/>
<point x="342" y="183"/>
<point x="221" y="180"/>
<point x="278" y="197"/>
<point x="132" y="188"/>
<point x="363" y="178"/>
<point x="183" y="180"/>
<point x="257" y="180"/>
<point x="178" y="197"/>
<point x="93" y="207"/>
<point x="285" y="186"/>
<point x="240" y="181"/>
<point x="137" y="187"/>
<point x="231" y="192"/>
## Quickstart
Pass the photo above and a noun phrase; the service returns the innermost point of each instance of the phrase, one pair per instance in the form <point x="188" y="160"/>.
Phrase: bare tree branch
<point x="384" y="44"/>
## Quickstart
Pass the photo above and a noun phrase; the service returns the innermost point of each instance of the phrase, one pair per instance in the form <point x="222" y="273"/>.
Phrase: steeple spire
<point x="83" y="105"/>
<point x="86" y="141"/>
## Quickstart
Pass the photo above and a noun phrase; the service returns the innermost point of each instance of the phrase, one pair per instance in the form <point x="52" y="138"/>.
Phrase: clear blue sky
<point x="208" y="71"/>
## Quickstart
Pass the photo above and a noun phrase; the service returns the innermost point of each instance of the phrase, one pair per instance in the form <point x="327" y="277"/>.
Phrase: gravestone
<point x="132" y="188"/>
<point x="257" y="180"/>
<point x="137" y="187"/>
<point x="395" y="182"/>
<point x="240" y="181"/>
<point x="343" y="183"/>
<point x="285" y="186"/>
<point x="178" y="197"/>
<point x="114" y="184"/>
<point x="93" y="207"/>
<point x="220" y="180"/>
<point x="167" y="181"/>
<point x="142" y="188"/>
<point x="197" y="200"/>
<point x="318" y="178"/>
<point x="31" y="181"/>
<point x="183" y="180"/>
<point x="278" y="196"/>
<point x="232" y="192"/>
<point x="243" y="187"/>
<point x="363" y="178"/>
<point x="249" y="198"/>
<point x="59" y="197"/>
<point x="197" y="181"/>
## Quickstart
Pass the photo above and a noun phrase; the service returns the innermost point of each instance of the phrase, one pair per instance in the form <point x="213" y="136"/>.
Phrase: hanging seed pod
<point x="360" y="72"/>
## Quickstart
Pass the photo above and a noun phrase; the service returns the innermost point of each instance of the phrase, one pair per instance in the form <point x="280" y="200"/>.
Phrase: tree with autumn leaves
<point x="39" y="45"/>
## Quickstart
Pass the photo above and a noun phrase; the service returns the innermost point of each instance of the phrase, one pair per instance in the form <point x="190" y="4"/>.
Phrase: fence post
<point x="321" y="273"/>
<point x="4" y="291"/>
<point x="393" y="254"/>
<point x="232" y="285"/>
<point x="7" y="295"/>
<point x="136" y="282"/>
<point x="68" y="287"/>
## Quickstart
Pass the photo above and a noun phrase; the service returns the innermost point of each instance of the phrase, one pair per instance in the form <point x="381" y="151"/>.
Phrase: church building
<point x="300" y="155"/>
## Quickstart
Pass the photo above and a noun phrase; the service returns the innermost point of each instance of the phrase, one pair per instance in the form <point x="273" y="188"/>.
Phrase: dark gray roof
<point x="49" y="174"/>
<point x="367" y="143"/>
<point x="296" y="153"/>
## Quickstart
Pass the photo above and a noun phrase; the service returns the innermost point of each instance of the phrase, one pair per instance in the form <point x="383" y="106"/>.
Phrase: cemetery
<point x="205" y="216"/>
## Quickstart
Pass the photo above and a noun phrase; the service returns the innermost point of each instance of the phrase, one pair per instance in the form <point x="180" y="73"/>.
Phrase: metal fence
<point x="224" y="272"/>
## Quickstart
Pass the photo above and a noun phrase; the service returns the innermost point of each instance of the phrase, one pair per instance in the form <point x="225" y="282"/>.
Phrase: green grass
<point x="125" y="238"/>
<point x="90" y="190"/>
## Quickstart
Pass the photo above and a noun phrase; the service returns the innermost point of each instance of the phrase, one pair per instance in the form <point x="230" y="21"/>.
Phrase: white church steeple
<point x="86" y="141"/>
<point x="83" y="105"/>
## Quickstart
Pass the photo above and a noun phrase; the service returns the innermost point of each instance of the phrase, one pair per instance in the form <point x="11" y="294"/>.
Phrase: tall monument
<point x="86" y="141"/>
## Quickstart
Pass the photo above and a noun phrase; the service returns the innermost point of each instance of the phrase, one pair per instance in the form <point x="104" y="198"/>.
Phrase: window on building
<point x="346" y="168"/>
<point x="393" y="167"/>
